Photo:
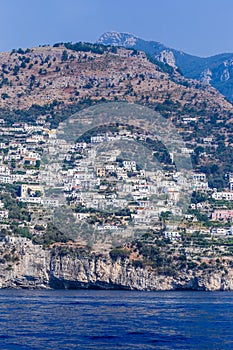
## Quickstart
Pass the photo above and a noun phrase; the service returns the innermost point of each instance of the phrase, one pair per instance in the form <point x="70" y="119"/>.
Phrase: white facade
<point x="223" y="195"/>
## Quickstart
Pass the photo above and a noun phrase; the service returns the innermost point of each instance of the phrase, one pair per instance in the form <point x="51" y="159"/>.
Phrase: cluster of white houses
<point x="101" y="181"/>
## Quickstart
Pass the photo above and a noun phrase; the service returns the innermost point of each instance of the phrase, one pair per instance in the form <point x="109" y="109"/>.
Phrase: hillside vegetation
<point x="54" y="82"/>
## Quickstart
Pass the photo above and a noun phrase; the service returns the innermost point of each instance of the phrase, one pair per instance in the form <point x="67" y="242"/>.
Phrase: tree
<point x="16" y="70"/>
<point x="38" y="164"/>
<point x="38" y="194"/>
<point x="64" y="56"/>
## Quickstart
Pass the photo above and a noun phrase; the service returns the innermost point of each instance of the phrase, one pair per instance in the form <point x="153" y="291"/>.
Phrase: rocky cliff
<point x="24" y="265"/>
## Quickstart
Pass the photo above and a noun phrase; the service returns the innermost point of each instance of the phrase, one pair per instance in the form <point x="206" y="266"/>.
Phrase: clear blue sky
<point x="201" y="27"/>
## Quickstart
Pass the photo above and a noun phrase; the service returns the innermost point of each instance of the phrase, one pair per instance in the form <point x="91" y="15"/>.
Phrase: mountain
<point x="56" y="78"/>
<point x="52" y="83"/>
<point x="215" y="70"/>
<point x="42" y="86"/>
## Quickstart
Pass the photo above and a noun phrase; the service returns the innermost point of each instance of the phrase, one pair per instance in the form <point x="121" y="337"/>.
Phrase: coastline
<point x="38" y="268"/>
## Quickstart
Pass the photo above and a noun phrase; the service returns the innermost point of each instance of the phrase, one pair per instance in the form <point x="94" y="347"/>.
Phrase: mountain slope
<point x="216" y="70"/>
<point x="64" y="75"/>
<point x="51" y="83"/>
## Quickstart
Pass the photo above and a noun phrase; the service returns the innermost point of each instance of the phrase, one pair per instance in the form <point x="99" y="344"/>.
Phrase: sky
<point x="199" y="27"/>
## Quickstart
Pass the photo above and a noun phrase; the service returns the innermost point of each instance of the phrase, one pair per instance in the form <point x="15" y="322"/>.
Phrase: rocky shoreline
<point x="37" y="268"/>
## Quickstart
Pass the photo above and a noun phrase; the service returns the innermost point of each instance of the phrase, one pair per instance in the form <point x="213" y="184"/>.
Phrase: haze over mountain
<point x="215" y="70"/>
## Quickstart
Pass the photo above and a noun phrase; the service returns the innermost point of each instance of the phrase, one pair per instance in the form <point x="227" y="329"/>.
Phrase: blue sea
<point x="95" y="319"/>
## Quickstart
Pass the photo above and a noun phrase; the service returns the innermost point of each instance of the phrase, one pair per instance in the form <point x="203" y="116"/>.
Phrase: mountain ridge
<point x="194" y="67"/>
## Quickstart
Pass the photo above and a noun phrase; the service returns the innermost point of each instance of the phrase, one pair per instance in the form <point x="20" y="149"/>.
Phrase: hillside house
<point x="222" y="214"/>
<point x="29" y="161"/>
<point x="30" y="190"/>
<point x="228" y="196"/>
<point x="4" y="214"/>
<point x="222" y="231"/>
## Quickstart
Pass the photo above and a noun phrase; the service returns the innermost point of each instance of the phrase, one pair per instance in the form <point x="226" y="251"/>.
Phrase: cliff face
<point x="23" y="264"/>
<point x="39" y="268"/>
<point x="103" y="272"/>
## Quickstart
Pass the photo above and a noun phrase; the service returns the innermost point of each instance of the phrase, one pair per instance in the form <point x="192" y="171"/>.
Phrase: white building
<point x="199" y="177"/>
<point x="4" y="214"/>
<point x="223" y="195"/>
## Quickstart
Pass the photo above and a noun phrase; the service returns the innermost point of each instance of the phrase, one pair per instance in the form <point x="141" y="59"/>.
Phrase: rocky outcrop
<point x="23" y="265"/>
<point x="118" y="39"/>
<point x="39" y="268"/>
<point x="167" y="57"/>
<point x="206" y="76"/>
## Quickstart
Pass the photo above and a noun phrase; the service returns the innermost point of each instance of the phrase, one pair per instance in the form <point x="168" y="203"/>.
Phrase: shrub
<point x="119" y="253"/>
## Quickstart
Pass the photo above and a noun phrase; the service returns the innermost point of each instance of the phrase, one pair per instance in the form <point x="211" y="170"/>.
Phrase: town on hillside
<point x="40" y="174"/>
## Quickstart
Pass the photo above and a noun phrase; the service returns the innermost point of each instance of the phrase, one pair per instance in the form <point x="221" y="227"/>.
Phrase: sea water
<point x="95" y="319"/>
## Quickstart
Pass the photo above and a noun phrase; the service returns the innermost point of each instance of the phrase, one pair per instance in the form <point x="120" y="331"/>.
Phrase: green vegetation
<point x="163" y="66"/>
<point x="121" y="253"/>
<point x="87" y="47"/>
<point x="17" y="210"/>
<point x="51" y="235"/>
